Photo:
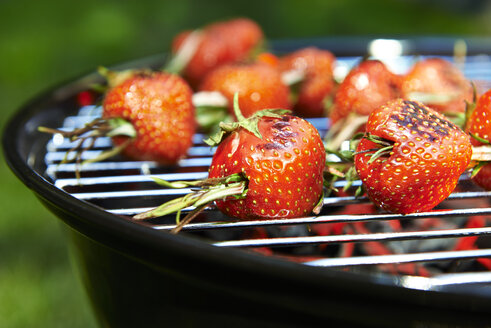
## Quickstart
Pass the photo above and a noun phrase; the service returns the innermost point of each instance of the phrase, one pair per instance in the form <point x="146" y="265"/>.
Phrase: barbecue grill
<point x="349" y="266"/>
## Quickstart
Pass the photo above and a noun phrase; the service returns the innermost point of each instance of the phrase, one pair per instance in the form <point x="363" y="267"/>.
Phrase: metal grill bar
<point x="62" y="183"/>
<point x="110" y="166"/>
<point x="328" y="219"/>
<point x="58" y="156"/>
<point x="384" y="237"/>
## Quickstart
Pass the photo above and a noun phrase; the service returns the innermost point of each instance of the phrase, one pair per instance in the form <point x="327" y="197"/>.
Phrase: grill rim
<point x="144" y="243"/>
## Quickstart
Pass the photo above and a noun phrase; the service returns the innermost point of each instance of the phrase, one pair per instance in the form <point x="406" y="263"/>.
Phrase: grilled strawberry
<point x="267" y="166"/>
<point x="366" y="87"/>
<point x="317" y="85"/>
<point x="150" y="116"/>
<point x="411" y="157"/>
<point x="438" y="84"/>
<point x="219" y="43"/>
<point x="160" y="109"/>
<point x="283" y="169"/>
<point x="479" y="126"/>
<point x="259" y="86"/>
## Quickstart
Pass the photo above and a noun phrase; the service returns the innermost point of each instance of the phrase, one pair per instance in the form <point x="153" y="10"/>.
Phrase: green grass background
<point x="43" y="43"/>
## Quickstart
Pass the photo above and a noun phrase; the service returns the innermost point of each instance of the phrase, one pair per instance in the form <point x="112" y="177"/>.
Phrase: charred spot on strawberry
<point x="416" y="117"/>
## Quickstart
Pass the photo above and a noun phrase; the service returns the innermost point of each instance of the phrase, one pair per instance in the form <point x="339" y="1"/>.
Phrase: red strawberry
<point x="366" y="87"/>
<point x="160" y="109"/>
<point x="479" y="119"/>
<point x="283" y="169"/>
<point x="420" y="156"/>
<point x="317" y="66"/>
<point x="267" y="166"/>
<point x="259" y="86"/>
<point x="150" y="116"/>
<point x="220" y="43"/>
<point x="479" y="125"/>
<point x="438" y="84"/>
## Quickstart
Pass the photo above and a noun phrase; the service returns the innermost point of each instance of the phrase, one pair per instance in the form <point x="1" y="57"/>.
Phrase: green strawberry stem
<point x="293" y="77"/>
<point x="470" y="106"/>
<point x="90" y="132"/>
<point x="209" y="182"/>
<point x="209" y="118"/>
<point x="343" y="130"/>
<point x="212" y="189"/>
<point x="181" y="58"/>
<point x="211" y="109"/>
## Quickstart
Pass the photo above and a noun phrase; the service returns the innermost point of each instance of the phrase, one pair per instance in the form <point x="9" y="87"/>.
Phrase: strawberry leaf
<point x="185" y="53"/>
<point x="250" y="123"/>
<point x="115" y="78"/>
<point x="120" y="127"/>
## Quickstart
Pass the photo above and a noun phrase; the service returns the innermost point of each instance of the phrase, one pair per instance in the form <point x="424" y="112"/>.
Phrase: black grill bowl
<point x="137" y="276"/>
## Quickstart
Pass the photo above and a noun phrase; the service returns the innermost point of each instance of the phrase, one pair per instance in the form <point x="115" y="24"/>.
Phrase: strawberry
<point x="267" y="166"/>
<point x="478" y="121"/>
<point x="478" y="124"/>
<point x="150" y="116"/>
<point x="85" y="98"/>
<point x="259" y="86"/>
<point x="317" y="85"/>
<point x="268" y="58"/>
<point x="283" y="168"/>
<point x="438" y="84"/>
<point x="367" y="86"/>
<point x="219" y="43"/>
<point x="160" y="109"/>
<point x="411" y="157"/>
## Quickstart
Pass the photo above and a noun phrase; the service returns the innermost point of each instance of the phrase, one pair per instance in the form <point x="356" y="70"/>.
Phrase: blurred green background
<point x="44" y="43"/>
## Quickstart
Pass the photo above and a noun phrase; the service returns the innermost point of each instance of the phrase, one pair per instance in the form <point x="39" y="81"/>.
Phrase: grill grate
<point x="126" y="188"/>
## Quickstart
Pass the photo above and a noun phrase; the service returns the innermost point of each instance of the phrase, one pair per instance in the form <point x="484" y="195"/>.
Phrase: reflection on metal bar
<point x="400" y="258"/>
<point x="381" y="237"/>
